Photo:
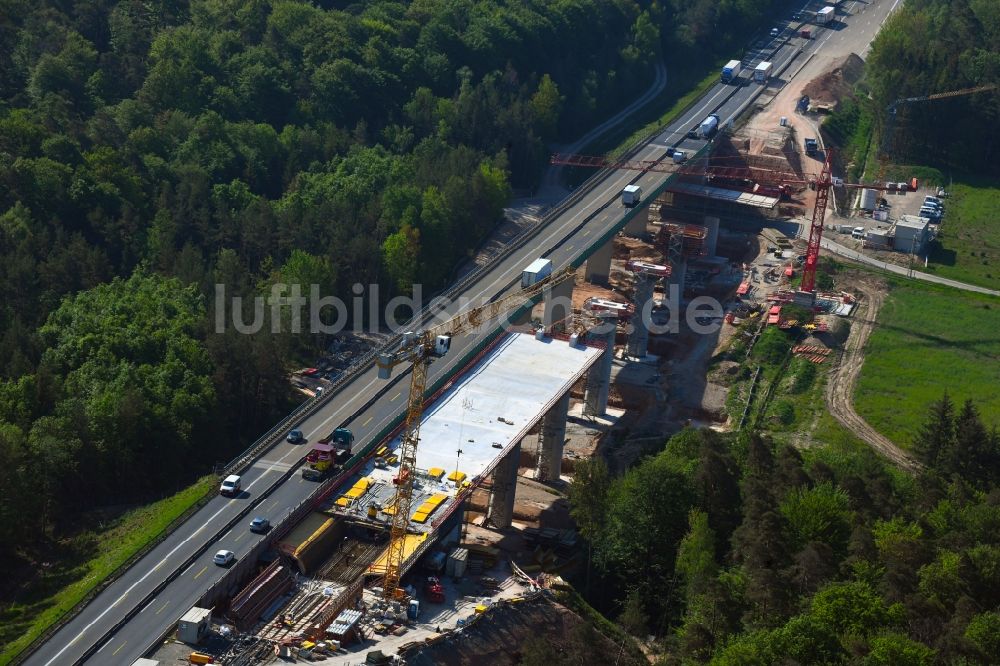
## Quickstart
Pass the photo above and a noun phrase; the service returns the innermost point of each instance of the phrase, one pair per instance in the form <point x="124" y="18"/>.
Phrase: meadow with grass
<point x="929" y="340"/>
<point x="84" y="561"/>
<point x="968" y="247"/>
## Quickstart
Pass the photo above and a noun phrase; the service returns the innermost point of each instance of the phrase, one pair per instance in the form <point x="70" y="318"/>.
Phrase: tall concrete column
<point x="678" y="273"/>
<point x="639" y="337"/>
<point x="558" y="304"/>
<point x="711" y="235"/>
<point x="599" y="264"/>
<point x="551" y="438"/>
<point x="637" y="225"/>
<point x="595" y="397"/>
<point x="504" y="487"/>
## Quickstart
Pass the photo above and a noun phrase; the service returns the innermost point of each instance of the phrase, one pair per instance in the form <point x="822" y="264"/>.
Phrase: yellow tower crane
<point x="419" y="349"/>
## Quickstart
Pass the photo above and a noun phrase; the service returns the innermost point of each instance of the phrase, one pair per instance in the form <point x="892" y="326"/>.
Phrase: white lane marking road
<point x="166" y="558"/>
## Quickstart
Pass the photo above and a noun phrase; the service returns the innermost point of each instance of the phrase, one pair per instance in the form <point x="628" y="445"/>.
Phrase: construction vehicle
<point x="323" y="461"/>
<point x="434" y="590"/>
<point x="418" y="349"/>
<point x="811" y="146"/>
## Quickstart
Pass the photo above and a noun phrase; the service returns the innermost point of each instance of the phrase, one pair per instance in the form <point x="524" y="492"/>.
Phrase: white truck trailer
<point x="631" y="196"/>
<point x="731" y="71"/>
<point x="536" y="271"/>
<point x="762" y="72"/>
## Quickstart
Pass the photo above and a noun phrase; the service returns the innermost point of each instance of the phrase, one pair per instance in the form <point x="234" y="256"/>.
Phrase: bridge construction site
<point x="419" y="533"/>
<point x="424" y="491"/>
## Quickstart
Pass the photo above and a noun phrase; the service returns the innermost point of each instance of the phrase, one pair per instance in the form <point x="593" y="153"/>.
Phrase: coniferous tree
<point x="935" y="436"/>
<point x="968" y="453"/>
<point x="716" y="483"/>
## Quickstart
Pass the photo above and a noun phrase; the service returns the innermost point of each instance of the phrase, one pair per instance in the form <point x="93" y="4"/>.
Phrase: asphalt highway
<point x="94" y="635"/>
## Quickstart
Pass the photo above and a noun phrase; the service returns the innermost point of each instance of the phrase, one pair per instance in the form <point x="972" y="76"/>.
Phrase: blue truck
<point x="731" y="71"/>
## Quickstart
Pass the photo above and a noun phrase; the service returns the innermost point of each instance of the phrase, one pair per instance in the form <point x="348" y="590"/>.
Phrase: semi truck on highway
<point x="708" y="126"/>
<point x="762" y="72"/>
<point x="731" y="71"/>
<point x="536" y="271"/>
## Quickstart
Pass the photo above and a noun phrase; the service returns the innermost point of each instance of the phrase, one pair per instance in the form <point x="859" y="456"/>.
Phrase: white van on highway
<point x="230" y="486"/>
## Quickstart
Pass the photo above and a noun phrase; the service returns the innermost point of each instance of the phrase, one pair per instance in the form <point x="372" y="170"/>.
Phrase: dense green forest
<point x="936" y="46"/>
<point x="736" y="551"/>
<point x="152" y="149"/>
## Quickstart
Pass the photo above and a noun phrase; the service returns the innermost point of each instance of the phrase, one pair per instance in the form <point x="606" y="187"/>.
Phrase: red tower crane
<point x="751" y="177"/>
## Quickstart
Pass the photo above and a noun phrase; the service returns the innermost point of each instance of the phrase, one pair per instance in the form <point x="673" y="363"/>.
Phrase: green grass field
<point x="93" y="556"/>
<point x="928" y="340"/>
<point x="969" y="246"/>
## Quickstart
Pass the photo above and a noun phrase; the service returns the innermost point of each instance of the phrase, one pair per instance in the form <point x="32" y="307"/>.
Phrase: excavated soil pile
<point x="828" y="89"/>
<point x="626" y="248"/>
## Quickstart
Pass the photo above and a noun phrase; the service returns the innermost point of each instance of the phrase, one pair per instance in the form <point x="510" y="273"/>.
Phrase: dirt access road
<point x="843" y="379"/>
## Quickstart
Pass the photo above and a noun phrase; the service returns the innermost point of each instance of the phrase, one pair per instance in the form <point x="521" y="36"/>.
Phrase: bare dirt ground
<point x="844" y="377"/>
<point x="837" y="82"/>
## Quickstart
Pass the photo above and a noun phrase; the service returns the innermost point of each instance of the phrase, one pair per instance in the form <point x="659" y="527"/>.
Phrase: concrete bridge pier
<point x="558" y="304"/>
<point x="711" y="235"/>
<point x="638" y="339"/>
<point x="598" y="382"/>
<point x="678" y="273"/>
<point x="501" y="509"/>
<point x="551" y="439"/>
<point x="599" y="264"/>
<point x="637" y="225"/>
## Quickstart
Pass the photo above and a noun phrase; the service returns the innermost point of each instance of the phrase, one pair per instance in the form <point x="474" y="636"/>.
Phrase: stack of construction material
<point x="814" y="353"/>
<point x="458" y="559"/>
<point x="488" y="554"/>
<point x="255" y="598"/>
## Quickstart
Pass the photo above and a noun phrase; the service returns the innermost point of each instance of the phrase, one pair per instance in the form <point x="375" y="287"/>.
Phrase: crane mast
<point x="419" y="349"/>
<point x="816" y="228"/>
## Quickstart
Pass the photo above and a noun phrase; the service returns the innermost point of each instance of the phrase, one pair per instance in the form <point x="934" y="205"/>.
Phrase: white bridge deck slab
<point x="518" y="380"/>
